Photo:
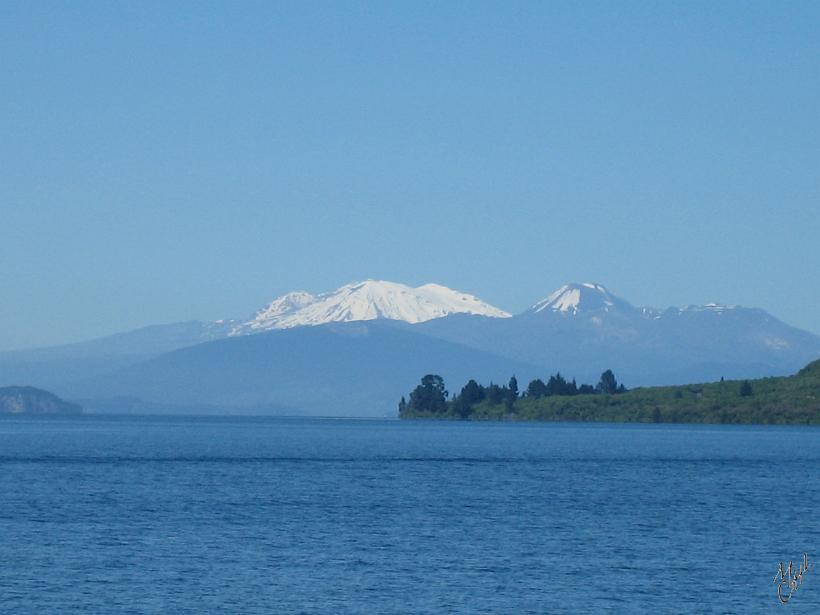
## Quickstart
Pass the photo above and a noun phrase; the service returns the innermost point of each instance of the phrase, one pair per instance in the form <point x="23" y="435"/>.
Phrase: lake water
<point x="192" y="515"/>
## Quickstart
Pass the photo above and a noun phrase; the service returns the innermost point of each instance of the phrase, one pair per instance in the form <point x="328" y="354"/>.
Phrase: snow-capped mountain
<point x="575" y="298"/>
<point x="579" y="329"/>
<point x="368" y="300"/>
<point x="589" y="299"/>
<point x="583" y="325"/>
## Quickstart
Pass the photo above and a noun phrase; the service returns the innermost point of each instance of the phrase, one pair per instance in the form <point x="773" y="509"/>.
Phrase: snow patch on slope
<point x="278" y="308"/>
<point x="717" y="308"/>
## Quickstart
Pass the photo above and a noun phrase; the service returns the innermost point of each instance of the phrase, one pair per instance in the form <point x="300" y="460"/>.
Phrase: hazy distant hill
<point x="52" y="367"/>
<point x="28" y="400"/>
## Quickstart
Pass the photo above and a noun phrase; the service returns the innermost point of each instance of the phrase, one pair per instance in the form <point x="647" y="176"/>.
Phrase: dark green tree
<point x="461" y="408"/>
<point x="608" y="384"/>
<point x="430" y="395"/>
<point x="536" y="389"/>
<point x="495" y="394"/>
<point x="472" y="393"/>
<point x="402" y="406"/>
<point x="746" y="389"/>
<point x="556" y="385"/>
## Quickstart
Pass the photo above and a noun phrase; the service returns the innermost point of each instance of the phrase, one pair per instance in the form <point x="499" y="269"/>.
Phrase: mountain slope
<point x="350" y="369"/>
<point x="53" y="367"/>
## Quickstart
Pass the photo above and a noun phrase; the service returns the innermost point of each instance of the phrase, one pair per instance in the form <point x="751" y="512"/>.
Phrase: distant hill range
<point x="28" y="400"/>
<point x="349" y="351"/>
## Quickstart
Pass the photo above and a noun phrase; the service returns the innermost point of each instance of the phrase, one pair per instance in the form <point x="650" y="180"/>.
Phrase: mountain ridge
<point x="579" y="330"/>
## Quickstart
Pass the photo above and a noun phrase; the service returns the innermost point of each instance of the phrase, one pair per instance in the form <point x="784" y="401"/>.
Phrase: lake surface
<point x="192" y="515"/>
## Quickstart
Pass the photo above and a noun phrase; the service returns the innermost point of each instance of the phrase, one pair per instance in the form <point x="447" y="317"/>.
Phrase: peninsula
<point x="786" y="400"/>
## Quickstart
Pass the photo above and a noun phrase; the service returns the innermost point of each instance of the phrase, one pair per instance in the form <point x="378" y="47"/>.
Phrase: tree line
<point x="431" y="396"/>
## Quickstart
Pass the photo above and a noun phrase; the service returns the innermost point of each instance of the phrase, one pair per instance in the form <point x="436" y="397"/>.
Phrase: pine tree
<point x="556" y="385"/>
<point x="746" y="389"/>
<point x="472" y="393"/>
<point x="608" y="384"/>
<point x="513" y="386"/>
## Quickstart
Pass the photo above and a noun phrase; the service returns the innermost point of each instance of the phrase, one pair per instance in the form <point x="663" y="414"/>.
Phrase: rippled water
<point x="187" y="515"/>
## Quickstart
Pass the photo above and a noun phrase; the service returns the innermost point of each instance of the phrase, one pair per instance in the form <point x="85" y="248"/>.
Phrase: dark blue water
<point x="150" y="515"/>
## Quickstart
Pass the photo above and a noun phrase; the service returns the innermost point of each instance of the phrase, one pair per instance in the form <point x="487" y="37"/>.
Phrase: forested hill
<point x="786" y="400"/>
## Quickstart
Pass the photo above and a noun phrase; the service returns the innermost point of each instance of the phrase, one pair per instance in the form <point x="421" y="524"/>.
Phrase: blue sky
<point x="171" y="161"/>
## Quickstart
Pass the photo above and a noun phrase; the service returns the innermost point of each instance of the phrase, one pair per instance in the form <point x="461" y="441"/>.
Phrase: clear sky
<point x="192" y="160"/>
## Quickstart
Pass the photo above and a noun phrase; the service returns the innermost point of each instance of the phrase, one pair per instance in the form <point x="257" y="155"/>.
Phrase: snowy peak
<point x="588" y="298"/>
<point x="368" y="300"/>
<point x="575" y="298"/>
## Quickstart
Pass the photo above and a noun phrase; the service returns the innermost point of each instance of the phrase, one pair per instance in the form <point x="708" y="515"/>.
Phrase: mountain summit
<point x="576" y="298"/>
<point x="368" y="300"/>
